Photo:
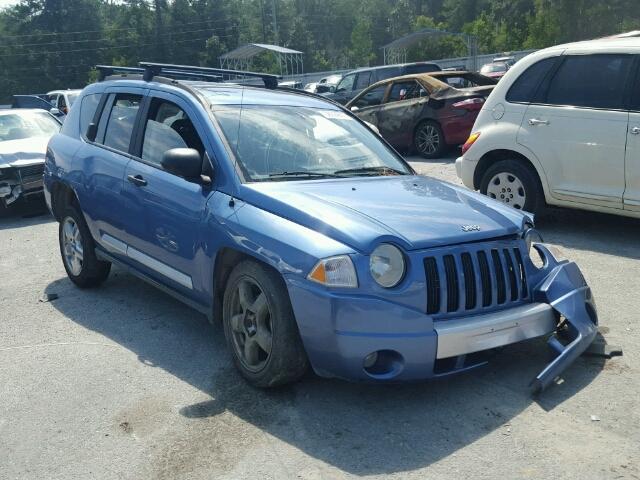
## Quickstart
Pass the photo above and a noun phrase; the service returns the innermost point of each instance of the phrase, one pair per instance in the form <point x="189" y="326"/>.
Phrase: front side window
<point x="346" y="83"/>
<point x="167" y="127"/>
<point x="17" y="126"/>
<point x="121" y="120"/>
<point x="405" y="91"/>
<point x="363" y="80"/>
<point x="593" y="81"/>
<point x="274" y="143"/>
<point x="371" y="98"/>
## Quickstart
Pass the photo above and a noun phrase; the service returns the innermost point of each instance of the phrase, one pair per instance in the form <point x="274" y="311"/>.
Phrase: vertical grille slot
<point x="469" y="281"/>
<point x="433" y="285"/>
<point x="485" y="278"/>
<point x="512" y="275"/>
<point x="452" y="283"/>
<point x="500" y="280"/>
<point x="521" y="273"/>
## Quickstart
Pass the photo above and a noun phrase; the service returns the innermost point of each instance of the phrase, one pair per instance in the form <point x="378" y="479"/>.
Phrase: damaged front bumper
<point x="20" y="181"/>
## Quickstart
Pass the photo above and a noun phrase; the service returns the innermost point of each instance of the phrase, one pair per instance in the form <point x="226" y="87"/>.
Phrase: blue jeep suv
<point x="286" y="217"/>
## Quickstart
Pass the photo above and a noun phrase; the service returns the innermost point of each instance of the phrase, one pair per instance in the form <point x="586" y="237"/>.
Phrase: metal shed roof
<point x="251" y="49"/>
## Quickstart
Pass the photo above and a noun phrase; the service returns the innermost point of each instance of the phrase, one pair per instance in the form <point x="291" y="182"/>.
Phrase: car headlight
<point x="335" y="272"/>
<point x="387" y="265"/>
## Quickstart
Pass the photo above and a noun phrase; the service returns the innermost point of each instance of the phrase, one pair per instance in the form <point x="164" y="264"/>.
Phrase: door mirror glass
<point x="55" y="111"/>
<point x="354" y="109"/>
<point x="184" y="162"/>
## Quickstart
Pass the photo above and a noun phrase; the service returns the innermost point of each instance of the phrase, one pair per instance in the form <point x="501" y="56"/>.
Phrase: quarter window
<point x="88" y="108"/>
<point x="593" y="81"/>
<point x="525" y="87"/>
<point x="167" y="127"/>
<point x="121" y="120"/>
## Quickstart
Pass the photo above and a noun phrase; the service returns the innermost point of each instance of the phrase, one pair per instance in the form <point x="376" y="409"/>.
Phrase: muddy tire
<point x="77" y="249"/>
<point x="260" y="327"/>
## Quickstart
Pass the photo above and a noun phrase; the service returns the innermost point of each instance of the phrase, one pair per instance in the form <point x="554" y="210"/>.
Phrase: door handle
<point x="634" y="130"/>
<point x="537" y="121"/>
<point x="137" y="180"/>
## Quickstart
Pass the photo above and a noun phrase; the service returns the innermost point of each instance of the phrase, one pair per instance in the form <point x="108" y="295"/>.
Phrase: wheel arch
<point x="62" y="195"/>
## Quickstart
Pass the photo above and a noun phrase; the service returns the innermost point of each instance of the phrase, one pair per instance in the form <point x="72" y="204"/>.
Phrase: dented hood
<point x="23" y="152"/>
<point x="413" y="211"/>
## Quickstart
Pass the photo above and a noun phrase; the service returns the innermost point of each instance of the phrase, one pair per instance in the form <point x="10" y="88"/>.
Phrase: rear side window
<point x="88" y="107"/>
<point x="423" y="68"/>
<point x="121" y="120"/>
<point x="384" y="73"/>
<point x="405" y="91"/>
<point x="593" y="81"/>
<point x="524" y="88"/>
<point x="363" y="80"/>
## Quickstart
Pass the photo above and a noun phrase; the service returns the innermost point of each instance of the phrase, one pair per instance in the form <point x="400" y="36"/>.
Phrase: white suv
<point x="562" y="126"/>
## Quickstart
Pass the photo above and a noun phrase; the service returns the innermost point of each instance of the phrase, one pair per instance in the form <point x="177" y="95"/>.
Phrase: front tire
<point x="514" y="184"/>
<point x="78" y="251"/>
<point x="428" y="140"/>
<point x="260" y="328"/>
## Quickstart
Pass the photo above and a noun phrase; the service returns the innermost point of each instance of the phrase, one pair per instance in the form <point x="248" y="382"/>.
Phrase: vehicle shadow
<point x="591" y="231"/>
<point x="361" y="429"/>
<point x="25" y="215"/>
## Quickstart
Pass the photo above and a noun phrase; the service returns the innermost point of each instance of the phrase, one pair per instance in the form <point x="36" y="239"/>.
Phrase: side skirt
<point x="206" y="310"/>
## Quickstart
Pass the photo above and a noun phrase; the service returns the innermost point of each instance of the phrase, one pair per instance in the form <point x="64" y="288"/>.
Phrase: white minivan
<point x="562" y="127"/>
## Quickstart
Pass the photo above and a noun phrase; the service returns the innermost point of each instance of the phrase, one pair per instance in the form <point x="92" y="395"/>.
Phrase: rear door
<point x="632" y="160"/>
<point x="104" y="162"/>
<point x="397" y="118"/>
<point x="164" y="235"/>
<point x="577" y="128"/>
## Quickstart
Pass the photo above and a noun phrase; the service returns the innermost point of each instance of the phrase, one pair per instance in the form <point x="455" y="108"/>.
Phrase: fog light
<point x="370" y="360"/>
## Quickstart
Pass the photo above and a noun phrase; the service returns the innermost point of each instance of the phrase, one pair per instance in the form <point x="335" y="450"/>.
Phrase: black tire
<point x="514" y="169"/>
<point x="429" y="149"/>
<point x="287" y="361"/>
<point x="92" y="271"/>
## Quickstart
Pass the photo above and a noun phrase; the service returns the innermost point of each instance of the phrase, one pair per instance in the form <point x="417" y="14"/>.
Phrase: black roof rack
<point x="149" y="70"/>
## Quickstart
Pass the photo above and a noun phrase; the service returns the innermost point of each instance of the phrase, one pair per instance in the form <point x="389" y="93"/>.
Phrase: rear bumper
<point x="341" y="331"/>
<point x="465" y="169"/>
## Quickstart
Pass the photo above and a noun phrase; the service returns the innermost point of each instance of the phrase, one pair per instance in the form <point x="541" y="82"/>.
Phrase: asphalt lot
<point x="123" y="382"/>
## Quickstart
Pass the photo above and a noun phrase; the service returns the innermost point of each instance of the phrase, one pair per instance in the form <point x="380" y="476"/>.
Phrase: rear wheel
<point x="78" y="251"/>
<point x="429" y="141"/>
<point x="260" y="327"/>
<point x="514" y="184"/>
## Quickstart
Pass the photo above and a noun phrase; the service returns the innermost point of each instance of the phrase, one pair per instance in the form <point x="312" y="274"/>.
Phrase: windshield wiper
<point x="302" y="173"/>
<point x="370" y="171"/>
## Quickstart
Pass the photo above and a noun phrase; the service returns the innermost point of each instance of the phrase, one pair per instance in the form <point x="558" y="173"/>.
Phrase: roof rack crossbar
<point x="108" y="70"/>
<point x="153" y="69"/>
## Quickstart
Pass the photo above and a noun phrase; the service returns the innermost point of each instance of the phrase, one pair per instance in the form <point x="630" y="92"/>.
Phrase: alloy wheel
<point x="508" y="189"/>
<point x="251" y="325"/>
<point x="72" y="246"/>
<point x="428" y="139"/>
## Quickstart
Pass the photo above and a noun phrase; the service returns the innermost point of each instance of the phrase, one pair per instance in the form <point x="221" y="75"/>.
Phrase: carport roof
<point x="251" y="49"/>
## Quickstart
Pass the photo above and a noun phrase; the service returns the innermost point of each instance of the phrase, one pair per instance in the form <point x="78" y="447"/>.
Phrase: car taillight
<point x="470" y="141"/>
<point x="471" y="104"/>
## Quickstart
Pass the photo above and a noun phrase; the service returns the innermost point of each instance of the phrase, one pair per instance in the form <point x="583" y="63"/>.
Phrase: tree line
<point x="47" y="44"/>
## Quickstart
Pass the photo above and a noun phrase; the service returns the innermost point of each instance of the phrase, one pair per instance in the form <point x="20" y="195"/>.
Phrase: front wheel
<point x="78" y="251"/>
<point x="260" y="327"/>
<point x="513" y="184"/>
<point x="429" y="140"/>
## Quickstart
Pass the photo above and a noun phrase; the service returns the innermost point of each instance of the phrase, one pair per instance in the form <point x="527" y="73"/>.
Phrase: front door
<point x="578" y="129"/>
<point x="397" y="118"/>
<point x="165" y="234"/>
<point x="368" y="104"/>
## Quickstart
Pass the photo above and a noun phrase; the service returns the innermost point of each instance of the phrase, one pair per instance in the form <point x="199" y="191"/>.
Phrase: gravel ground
<point x="123" y="382"/>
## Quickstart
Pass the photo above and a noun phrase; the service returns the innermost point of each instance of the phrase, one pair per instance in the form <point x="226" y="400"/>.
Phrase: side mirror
<point x="55" y="111"/>
<point x="354" y="109"/>
<point x="92" y="131"/>
<point x="184" y="162"/>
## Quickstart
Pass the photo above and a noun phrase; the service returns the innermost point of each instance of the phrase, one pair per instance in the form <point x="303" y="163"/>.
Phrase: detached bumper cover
<point x="339" y="330"/>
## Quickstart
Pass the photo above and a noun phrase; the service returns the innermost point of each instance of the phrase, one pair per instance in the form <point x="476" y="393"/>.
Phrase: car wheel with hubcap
<point x="429" y="140"/>
<point x="260" y="327"/>
<point x="514" y="184"/>
<point x="78" y="251"/>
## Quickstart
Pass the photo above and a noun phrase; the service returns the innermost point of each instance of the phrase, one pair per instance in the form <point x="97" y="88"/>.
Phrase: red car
<point x="495" y="69"/>
<point x="424" y="113"/>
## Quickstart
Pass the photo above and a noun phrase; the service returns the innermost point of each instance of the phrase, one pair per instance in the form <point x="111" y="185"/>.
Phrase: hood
<point x="23" y="152"/>
<point x="413" y="211"/>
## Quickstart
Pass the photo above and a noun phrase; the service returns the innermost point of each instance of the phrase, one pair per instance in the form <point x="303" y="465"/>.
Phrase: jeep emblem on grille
<point x="470" y="228"/>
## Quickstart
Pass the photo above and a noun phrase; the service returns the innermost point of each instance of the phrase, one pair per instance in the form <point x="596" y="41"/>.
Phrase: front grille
<point x="478" y="277"/>
<point x="31" y="171"/>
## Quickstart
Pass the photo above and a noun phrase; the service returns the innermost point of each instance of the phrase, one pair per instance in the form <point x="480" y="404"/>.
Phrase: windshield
<point x="16" y="126"/>
<point x="290" y="142"/>
<point x="493" y="67"/>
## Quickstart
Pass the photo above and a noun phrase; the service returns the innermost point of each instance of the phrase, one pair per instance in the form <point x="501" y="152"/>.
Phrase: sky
<point x="7" y="3"/>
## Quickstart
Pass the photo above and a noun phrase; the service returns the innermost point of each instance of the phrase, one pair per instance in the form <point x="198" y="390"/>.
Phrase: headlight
<point x="387" y="265"/>
<point x="335" y="272"/>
